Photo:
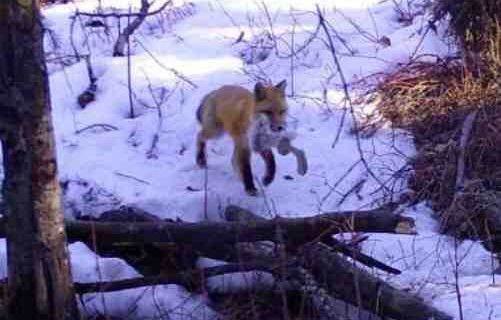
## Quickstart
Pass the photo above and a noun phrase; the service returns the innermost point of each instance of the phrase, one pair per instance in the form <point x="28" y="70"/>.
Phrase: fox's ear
<point x="281" y="86"/>
<point x="259" y="91"/>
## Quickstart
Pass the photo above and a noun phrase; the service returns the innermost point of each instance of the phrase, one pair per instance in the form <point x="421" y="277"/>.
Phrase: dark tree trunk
<point x="39" y="278"/>
<point x="123" y="38"/>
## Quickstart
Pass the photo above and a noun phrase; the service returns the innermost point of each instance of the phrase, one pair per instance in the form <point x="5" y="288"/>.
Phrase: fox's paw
<point x="267" y="180"/>
<point x="202" y="161"/>
<point x="252" y="192"/>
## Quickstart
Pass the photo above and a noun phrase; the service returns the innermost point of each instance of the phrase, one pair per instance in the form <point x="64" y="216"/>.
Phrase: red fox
<point x="232" y="109"/>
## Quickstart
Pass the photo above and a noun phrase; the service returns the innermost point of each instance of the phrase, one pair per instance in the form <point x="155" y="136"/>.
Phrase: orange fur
<point x="231" y="109"/>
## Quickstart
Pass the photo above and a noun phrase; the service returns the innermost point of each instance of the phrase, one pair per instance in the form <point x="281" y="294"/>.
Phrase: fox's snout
<point x="277" y="127"/>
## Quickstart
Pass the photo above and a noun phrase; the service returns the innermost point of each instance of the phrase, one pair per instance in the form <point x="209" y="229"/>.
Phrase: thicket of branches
<point x="452" y="106"/>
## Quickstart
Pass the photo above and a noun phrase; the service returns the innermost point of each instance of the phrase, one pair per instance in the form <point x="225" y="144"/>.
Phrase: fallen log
<point x="299" y="280"/>
<point x="357" y="286"/>
<point x="347" y="282"/>
<point x="192" y="280"/>
<point x="214" y="235"/>
<point x="298" y="231"/>
<point x="244" y="216"/>
<point x="209" y="235"/>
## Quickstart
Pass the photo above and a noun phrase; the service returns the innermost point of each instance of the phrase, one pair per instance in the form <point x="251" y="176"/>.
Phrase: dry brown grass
<point x="430" y="97"/>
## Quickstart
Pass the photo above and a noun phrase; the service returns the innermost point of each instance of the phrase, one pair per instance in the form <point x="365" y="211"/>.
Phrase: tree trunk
<point x="123" y="38"/>
<point x="39" y="278"/>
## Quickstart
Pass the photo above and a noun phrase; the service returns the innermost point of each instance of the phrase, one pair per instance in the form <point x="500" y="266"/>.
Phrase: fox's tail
<point x="200" y="109"/>
<point x="199" y="113"/>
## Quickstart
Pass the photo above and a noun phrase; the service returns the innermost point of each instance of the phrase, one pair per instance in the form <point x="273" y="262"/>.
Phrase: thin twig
<point x="106" y="127"/>
<point x="131" y="177"/>
<point x="338" y="182"/>
<point x="181" y="278"/>
<point x="456" y="279"/>
<point x="172" y="70"/>
<point x="123" y="15"/>
<point x="129" y="72"/>
<point x="347" y="95"/>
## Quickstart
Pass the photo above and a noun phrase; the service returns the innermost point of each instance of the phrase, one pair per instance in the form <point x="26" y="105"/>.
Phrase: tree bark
<point x="299" y="279"/>
<point x="358" y="287"/>
<point x="39" y="278"/>
<point x="345" y="281"/>
<point x="123" y="38"/>
<point x="201" y="235"/>
<point x="210" y="235"/>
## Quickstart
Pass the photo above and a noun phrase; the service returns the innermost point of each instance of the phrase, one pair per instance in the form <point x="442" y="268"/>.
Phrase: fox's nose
<point x="277" y="128"/>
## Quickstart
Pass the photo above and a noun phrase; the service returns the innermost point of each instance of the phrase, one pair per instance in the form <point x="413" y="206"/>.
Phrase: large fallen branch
<point x="236" y="214"/>
<point x="299" y="279"/>
<point x="203" y="235"/>
<point x="347" y="282"/>
<point x="354" y="285"/>
<point x="215" y="234"/>
<point x="246" y="227"/>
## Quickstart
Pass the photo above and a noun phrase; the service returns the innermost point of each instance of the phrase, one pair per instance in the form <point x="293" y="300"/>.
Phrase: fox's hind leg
<point x="201" y="154"/>
<point x="211" y="129"/>
<point x="202" y="137"/>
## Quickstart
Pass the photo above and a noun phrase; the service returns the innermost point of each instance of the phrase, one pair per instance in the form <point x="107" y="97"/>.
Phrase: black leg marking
<point x="246" y="171"/>
<point x="271" y="167"/>
<point x="201" y="157"/>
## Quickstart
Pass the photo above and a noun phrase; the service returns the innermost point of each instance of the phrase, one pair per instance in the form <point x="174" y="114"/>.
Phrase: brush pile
<point x="457" y="171"/>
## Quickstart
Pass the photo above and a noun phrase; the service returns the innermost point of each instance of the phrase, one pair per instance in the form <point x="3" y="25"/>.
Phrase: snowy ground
<point x="105" y="169"/>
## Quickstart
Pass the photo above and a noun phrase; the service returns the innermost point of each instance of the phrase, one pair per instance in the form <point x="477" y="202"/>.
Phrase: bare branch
<point x="463" y="141"/>
<point x="187" y="278"/>
<point x="124" y="15"/>
<point x="172" y="70"/>
<point x="347" y="95"/>
<point x="104" y="126"/>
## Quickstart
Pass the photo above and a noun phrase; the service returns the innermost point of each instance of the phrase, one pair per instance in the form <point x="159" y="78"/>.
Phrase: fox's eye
<point x="282" y="112"/>
<point x="267" y="112"/>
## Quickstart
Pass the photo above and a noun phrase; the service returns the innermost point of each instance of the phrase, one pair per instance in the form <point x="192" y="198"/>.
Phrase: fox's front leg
<point x="271" y="167"/>
<point x="242" y="163"/>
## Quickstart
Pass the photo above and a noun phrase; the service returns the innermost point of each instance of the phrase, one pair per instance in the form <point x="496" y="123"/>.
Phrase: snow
<point x="144" y="303"/>
<point x="107" y="168"/>
<point x="428" y="262"/>
<point x="235" y="282"/>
